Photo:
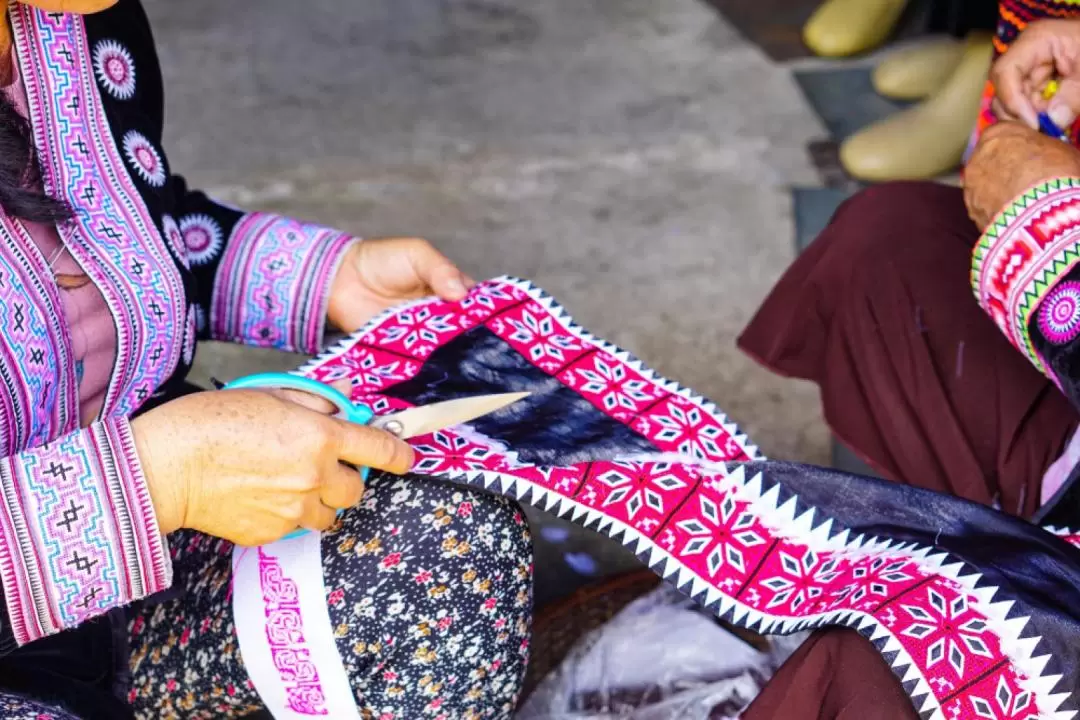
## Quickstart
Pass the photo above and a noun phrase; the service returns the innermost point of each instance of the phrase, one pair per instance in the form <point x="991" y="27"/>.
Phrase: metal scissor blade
<point x="438" y="416"/>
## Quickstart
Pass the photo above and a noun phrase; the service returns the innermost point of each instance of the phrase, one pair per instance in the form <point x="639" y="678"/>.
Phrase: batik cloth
<point x="970" y="607"/>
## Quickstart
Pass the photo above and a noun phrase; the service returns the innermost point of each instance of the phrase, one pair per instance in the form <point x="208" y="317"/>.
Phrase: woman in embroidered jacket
<point x="914" y="376"/>
<point x="112" y="269"/>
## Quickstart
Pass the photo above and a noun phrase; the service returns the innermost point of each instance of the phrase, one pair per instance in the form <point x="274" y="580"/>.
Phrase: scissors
<point x="404" y="424"/>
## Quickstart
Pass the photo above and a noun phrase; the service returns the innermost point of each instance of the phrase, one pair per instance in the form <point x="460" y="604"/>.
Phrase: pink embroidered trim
<point x="285" y="634"/>
<point x="113" y="236"/>
<point x="272" y="287"/>
<point x="718" y="532"/>
<point x="392" y="349"/>
<point x="78" y="534"/>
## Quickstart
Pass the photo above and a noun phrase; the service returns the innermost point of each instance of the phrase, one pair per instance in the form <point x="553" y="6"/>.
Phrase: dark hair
<point x="21" y="193"/>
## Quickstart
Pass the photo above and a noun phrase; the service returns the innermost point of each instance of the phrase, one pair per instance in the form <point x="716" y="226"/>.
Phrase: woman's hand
<point x="1010" y="159"/>
<point x="251" y="466"/>
<point x="378" y="274"/>
<point x="1045" y="49"/>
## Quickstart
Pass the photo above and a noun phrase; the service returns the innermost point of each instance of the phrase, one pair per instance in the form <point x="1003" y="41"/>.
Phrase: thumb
<point x="1065" y="105"/>
<point x="437" y="272"/>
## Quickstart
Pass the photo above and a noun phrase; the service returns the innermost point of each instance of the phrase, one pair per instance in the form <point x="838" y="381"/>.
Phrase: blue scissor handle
<point x="352" y="412"/>
<point x="347" y="410"/>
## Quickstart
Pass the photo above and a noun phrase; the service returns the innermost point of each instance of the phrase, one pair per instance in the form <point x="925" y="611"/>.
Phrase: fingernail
<point x="1061" y="114"/>
<point x="456" y="286"/>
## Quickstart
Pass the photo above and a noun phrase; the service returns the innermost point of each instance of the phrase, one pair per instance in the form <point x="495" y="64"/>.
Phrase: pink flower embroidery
<point x="391" y="560"/>
<point x="424" y="576"/>
<point x="336" y="597"/>
<point x="464" y="509"/>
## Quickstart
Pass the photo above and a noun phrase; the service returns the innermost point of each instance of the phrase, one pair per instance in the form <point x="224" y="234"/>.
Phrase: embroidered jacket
<point x="77" y="529"/>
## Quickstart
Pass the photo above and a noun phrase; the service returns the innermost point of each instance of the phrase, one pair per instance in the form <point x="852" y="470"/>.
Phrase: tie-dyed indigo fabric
<point x="976" y="612"/>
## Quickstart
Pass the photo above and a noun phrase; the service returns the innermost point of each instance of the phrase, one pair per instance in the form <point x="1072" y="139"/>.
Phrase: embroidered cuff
<point x="1026" y="251"/>
<point x="78" y="534"/>
<point x="273" y="286"/>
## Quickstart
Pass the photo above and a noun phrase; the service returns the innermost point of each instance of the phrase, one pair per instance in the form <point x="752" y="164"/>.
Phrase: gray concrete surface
<point x="630" y="156"/>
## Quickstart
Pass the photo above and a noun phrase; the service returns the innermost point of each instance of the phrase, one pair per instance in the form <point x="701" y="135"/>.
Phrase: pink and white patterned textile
<point x="953" y="595"/>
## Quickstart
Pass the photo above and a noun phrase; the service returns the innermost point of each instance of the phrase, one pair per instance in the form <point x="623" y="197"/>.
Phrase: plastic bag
<point x="661" y="658"/>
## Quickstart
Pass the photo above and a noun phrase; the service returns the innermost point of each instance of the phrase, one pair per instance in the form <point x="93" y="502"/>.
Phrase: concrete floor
<point x="630" y="156"/>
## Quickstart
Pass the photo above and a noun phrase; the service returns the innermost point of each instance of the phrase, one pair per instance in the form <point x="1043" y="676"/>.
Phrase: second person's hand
<point x="1010" y="159"/>
<point x="1045" y="50"/>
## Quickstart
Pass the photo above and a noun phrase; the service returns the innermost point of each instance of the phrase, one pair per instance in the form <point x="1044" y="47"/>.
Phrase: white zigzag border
<point x="1019" y="651"/>
<point x="778" y="518"/>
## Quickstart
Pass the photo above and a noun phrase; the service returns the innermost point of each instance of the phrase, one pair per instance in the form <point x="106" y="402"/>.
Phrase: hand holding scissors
<point x="404" y="425"/>
<point x="251" y="467"/>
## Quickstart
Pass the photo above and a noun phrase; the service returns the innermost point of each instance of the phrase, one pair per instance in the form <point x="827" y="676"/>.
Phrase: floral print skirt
<point x="429" y="588"/>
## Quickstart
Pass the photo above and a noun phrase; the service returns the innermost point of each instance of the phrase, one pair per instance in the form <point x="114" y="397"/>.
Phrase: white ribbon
<point x="284" y="630"/>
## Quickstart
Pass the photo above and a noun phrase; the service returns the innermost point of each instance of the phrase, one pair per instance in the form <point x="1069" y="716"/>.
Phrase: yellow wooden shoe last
<point x="929" y="139"/>
<point x="914" y="73"/>
<point x="847" y="27"/>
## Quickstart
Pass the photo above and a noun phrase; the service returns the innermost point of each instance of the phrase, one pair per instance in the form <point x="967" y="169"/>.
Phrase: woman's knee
<point x="429" y="581"/>
<point x="454" y="523"/>
<point x="448" y="539"/>
<point x="891" y="219"/>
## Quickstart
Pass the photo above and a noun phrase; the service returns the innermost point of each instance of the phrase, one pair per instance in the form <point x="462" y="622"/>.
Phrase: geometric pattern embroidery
<point x="285" y="635"/>
<point x="703" y="517"/>
<point x="113" y="235"/>
<point x="1059" y="313"/>
<point x="35" y="366"/>
<point x="272" y="286"/>
<point x="79" y="533"/>
<point x="115" y="69"/>
<point x="1020" y="258"/>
